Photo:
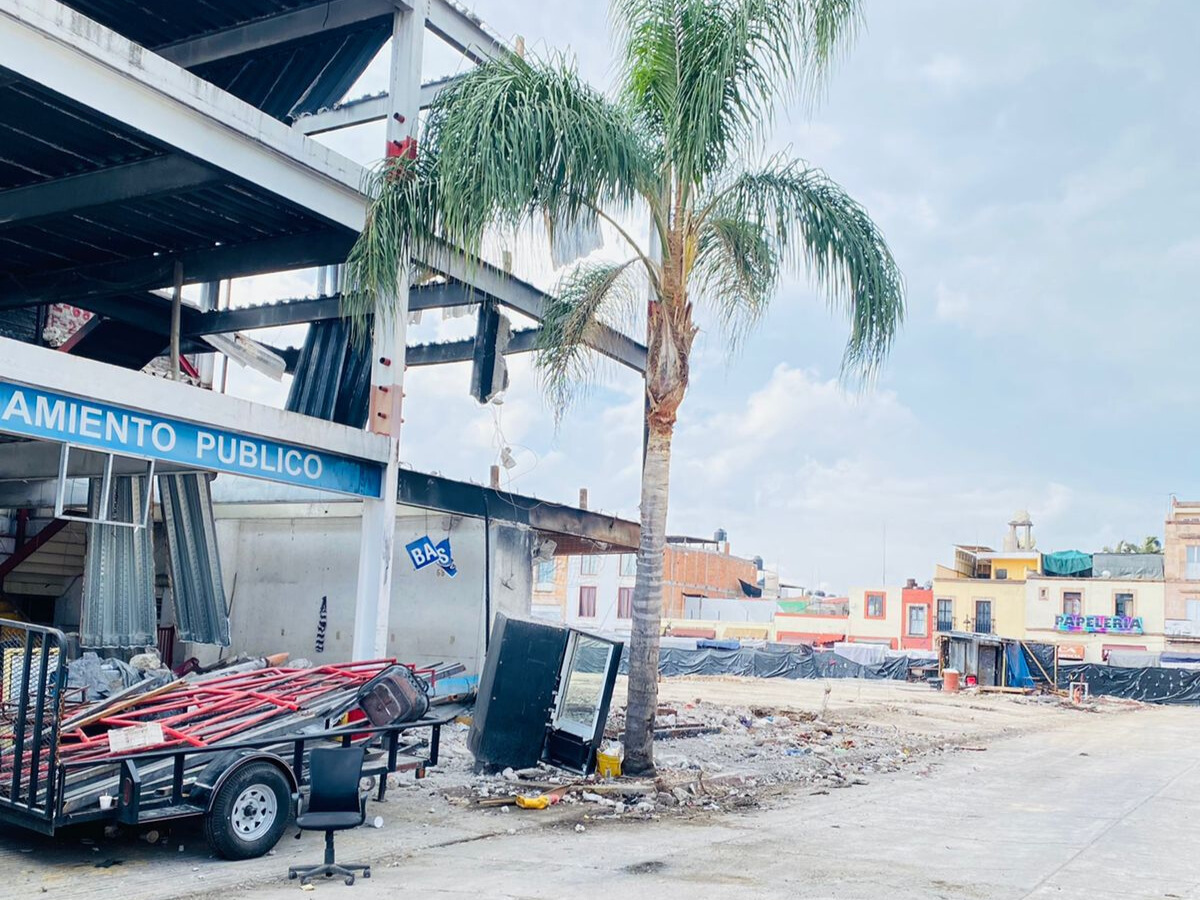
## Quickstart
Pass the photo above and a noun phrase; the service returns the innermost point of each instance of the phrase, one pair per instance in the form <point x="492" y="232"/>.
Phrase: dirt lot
<point x="774" y="745"/>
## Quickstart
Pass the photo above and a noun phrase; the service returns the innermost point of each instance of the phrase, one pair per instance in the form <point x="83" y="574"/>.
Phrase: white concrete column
<point x="377" y="549"/>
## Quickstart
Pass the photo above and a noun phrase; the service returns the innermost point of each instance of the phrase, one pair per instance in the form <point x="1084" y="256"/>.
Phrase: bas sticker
<point x="424" y="552"/>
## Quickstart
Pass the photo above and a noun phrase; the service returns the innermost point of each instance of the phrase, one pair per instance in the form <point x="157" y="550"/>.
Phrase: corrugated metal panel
<point x="159" y="22"/>
<point x="201" y="612"/>
<point x="302" y="75"/>
<point x="118" y="576"/>
<point x="19" y="324"/>
<point x="333" y="375"/>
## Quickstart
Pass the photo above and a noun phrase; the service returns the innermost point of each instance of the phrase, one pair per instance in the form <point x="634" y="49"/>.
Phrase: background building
<point x="1118" y="605"/>
<point x="1181" y="570"/>
<point x="596" y="592"/>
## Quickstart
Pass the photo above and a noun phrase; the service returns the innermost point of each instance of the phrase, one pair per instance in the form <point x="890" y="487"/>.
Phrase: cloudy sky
<point x="1033" y="167"/>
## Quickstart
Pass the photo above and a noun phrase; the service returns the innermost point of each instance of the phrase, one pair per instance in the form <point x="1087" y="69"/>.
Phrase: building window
<point x="625" y="603"/>
<point x="983" y="616"/>
<point x="1193" y="610"/>
<point x="587" y="602"/>
<point x="589" y="565"/>
<point x="918" y="620"/>
<point x="876" y="606"/>
<point x="628" y="565"/>
<point x="1124" y="604"/>
<point x="1072" y="603"/>
<point x="1193" y="564"/>
<point x="945" y="619"/>
<point x="545" y="575"/>
<point x="1002" y="574"/>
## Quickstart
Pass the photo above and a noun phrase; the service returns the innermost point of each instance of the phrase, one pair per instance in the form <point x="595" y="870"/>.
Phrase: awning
<point x="1066" y="562"/>
<point x="706" y="633"/>
<point x="808" y="637"/>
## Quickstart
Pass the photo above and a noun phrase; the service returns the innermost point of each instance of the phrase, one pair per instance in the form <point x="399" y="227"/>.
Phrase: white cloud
<point x="952" y="306"/>
<point x="945" y="71"/>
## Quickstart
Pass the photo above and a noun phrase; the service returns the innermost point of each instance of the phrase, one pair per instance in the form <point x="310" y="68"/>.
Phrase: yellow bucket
<point x="608" y="765"/>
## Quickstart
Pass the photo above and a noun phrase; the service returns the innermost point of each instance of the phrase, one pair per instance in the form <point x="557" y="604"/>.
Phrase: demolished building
<point x="150" y="148"/>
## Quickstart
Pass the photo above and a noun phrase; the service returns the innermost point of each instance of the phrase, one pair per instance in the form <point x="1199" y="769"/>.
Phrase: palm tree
<point x="521" y="140"/>
<point x="1149" y="545"/>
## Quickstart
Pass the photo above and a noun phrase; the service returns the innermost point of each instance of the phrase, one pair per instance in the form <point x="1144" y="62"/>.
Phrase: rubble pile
<point x="710" y="758"/>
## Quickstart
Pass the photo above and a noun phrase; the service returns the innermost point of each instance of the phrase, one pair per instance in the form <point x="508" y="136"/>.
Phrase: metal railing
<point x="32" y="682"/>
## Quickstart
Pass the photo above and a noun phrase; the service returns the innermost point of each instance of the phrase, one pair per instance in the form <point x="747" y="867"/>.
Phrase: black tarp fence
<point x="1151" y="684"/>
<point x="797" y="662"/>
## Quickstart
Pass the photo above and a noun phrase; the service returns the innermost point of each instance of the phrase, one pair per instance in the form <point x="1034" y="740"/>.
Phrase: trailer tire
<point x="250" y="812"/>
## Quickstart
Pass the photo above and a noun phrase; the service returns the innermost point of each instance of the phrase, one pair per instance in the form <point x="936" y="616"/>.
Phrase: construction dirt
<point x="730" y="746"/>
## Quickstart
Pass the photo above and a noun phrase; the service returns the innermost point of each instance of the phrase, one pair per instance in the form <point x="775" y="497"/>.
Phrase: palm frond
<point x="812" y="224"/>
<point x="513" y="140"/>
<point x="589" y="295"/>
<point x="401" y="216"/>
<point x="707" y="75"/>
<point x="736" y="272"/>
<point x="517" y="137"/>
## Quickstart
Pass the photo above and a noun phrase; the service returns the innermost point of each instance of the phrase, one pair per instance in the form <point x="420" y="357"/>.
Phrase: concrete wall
<point x="1018" y="566"/>
<point x="550" y="589"/>
<point x="1044" y="603"/>
<point x="910" y="597"/>
<point x="279" y="560"/>
<point x="1008" y="602"/>
<point x="884" y="630"/>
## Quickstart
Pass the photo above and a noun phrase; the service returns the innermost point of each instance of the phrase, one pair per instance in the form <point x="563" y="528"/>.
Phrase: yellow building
<point x="876" y="616"/>
<point x="984" y="591"/>
<point x="1088" y="617"/>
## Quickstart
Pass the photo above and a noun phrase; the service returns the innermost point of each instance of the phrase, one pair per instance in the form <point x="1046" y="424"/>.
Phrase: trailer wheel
<point x="249" y="813"/>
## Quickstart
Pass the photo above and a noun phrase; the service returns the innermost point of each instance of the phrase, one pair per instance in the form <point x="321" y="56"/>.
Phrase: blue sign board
<point x="424" y="552"/>
<point x="35" y="413"/>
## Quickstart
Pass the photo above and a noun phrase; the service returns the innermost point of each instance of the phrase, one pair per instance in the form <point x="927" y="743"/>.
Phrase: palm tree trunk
<point x="647" y="604"/>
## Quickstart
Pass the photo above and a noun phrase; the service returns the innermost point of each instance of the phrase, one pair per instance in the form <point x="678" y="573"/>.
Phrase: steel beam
<point x="364" y="109"/>
<point x="60" y="373"/>
<point x="433" y="492"/>
<point x="272" y="31"/>
<point x="81" y="285"/>
<point x="463" y="31"/>
<point x="345" y="115"/>
<point x="523" y="341"/>
<point x="268" y="315"/>
<point x="528" y="300"/>
<point x="51" y="45"/>
<point x="118" y="184"/>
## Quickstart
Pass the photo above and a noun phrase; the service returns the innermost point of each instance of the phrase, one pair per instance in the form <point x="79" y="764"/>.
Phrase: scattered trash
<point x="579" y="829"/>
<point x="107" y="864"/>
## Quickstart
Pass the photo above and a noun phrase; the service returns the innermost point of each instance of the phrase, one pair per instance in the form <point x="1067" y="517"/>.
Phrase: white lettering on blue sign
<point x="421" y="552"/>
<point x="32" y="412"/>
<point x="424" y="552"/>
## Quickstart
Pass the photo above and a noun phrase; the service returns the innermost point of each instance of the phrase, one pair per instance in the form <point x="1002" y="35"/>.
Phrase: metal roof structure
<point x="119" y="163"/>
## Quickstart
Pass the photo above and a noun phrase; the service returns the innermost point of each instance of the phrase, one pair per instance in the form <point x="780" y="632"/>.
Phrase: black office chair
<point x="334" y="804"/>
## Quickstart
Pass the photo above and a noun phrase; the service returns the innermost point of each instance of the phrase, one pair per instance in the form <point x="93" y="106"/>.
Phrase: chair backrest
<point x="334" y="775"/>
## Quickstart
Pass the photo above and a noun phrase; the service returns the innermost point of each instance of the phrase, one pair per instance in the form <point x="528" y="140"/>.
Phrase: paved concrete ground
<point x="1069" y="804"/>
<point x="1102" y="808"/>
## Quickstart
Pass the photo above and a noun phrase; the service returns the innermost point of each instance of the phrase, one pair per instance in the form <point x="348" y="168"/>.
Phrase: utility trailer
<point x="244" y="789"/>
